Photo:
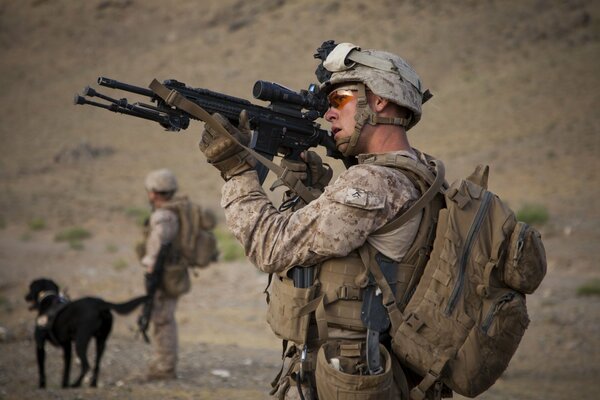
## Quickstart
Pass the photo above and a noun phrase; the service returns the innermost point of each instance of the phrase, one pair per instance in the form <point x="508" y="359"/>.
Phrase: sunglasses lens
<point x="339" y="98"/>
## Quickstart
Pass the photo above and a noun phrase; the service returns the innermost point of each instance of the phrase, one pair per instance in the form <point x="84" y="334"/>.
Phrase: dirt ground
<point x="515" y="86"/>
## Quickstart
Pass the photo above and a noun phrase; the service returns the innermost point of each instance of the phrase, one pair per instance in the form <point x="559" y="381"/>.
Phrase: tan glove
<point x="312" y="172"/>
<point x="222" y="152"/>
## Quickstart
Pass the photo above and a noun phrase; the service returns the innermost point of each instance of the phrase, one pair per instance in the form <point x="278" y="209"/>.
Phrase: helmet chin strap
<point x="365" y="115"/>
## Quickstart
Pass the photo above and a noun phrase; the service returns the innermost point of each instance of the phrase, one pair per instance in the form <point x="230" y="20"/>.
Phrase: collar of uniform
<point x="368" y="158"/>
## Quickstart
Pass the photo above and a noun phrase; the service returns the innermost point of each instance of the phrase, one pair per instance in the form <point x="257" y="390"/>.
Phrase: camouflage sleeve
<point x="163" y="229"/>
<point x="359" y="202"/>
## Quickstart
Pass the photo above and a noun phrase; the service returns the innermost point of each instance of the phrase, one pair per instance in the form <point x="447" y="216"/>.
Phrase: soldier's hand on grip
<point x="224" y="153"/>
<point x="319" y="173"/>
<point x="312" y="172"/>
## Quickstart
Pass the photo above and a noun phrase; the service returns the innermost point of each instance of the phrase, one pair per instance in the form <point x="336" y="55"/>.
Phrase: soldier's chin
<point x="341" y="146"/>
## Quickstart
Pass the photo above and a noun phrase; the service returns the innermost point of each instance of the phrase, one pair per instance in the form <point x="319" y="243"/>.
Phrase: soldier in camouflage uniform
<point x="375" y="97"/>
<point x="163" y="226"/>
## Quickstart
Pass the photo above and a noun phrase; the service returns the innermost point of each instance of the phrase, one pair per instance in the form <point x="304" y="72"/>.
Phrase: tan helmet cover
<point x="161" y="180"/>
<point x="385" y="74"/>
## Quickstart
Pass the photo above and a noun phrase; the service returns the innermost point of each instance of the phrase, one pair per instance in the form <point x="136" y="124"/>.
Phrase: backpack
<point x="467" y="314"/>
<point x="195" y="243"/>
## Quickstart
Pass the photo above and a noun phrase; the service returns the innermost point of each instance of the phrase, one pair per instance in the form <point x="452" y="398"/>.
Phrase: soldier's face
<point x="341" y="115"/>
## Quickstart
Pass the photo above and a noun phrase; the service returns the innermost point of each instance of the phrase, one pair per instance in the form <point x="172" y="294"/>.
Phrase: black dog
<point x="61" y="321"/>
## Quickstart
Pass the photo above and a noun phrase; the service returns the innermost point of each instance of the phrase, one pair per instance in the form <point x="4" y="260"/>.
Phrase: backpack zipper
<point x="473" y="230"/>
<point x="487" y="321"/>
<point x="520" y="243"/>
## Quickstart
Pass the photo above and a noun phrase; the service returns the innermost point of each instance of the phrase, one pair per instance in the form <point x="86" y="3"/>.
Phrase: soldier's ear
<point x="379" y="103"/>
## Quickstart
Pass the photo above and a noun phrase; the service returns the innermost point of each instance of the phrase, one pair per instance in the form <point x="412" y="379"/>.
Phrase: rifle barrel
<point x="113" y="84"/>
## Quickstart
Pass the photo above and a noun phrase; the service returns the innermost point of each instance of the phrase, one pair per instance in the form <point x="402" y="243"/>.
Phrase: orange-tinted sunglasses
<point x="339" y="98"/>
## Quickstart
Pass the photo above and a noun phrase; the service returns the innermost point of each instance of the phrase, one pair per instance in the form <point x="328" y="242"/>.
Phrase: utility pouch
<point x="525" y="265"/>
<point x="491" y="342"/>
<point x="335" y="382"/>
<point x="176" y="280"/>
<point x="289" y="309"/>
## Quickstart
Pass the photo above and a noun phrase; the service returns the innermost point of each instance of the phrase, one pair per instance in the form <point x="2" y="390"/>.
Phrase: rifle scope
<point x="276" y="93"/>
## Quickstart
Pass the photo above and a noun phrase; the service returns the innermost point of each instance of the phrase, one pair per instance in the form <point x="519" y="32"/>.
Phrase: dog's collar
<point x="45" y="294"/>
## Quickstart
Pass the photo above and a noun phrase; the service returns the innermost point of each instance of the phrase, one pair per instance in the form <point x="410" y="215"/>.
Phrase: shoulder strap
<point x="435" y="188"/>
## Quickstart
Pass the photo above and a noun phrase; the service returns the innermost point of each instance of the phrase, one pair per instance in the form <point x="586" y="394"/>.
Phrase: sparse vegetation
<point x="111" y="248"/>
<point x="591" y="288"/>
<point x="37" y="224"/>
<point x="74" y="237"/>
<point x="76" y="245"/>
<point x="120" y="264"/>
<point x="140" y="215"/>
<point x="72" y="234"/>
<point x="229" y="247"/>
<point x="534" y="214"/>
<point x="26" y="236"/>
<point x="2" y="223"/>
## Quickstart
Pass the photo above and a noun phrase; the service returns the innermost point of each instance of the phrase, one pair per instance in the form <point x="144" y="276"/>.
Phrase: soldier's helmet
<point x="385" y="74"/>
<point x="161" y="180"/>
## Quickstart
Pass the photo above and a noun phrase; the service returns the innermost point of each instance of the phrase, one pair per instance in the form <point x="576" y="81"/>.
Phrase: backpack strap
<point x="434" y="178"/>
<point x="428" y="196"/>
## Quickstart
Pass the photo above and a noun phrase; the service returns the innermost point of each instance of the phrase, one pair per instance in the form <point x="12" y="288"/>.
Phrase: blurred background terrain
<point x="515" y="86"/>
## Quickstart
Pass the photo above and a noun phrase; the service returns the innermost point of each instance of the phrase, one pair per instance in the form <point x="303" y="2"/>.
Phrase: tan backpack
<point x="195" y="241"/>
<point x="467" y="315"/>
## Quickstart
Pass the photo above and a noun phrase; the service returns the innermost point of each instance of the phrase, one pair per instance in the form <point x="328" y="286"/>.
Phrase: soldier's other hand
<point x="311" y="171"/>
<point x="319" y="173"/>
<point x="224" y="153"/>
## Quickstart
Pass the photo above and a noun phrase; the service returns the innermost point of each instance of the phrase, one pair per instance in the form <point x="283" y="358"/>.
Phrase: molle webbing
<point x="340" y="280"/>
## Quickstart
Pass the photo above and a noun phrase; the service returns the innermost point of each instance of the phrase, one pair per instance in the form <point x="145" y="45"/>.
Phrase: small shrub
<point x="111" y="248"/>
<point x="229" y="247"/>
<point x="2" y="223"/>
<point x="26" y="237"/>
<point x="72" y="235"/>
<point x="140" y="215"/>
<point x="533" y="214"/>
<point x="76" y="244"/>
<point x="37" y="224"/>
<point x="120" y="264"/>
<point x="591" y="288"/>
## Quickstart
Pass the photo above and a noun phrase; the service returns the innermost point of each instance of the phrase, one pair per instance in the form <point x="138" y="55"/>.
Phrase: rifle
<point x="152" y="282"/>
<point x="285" y="127"/>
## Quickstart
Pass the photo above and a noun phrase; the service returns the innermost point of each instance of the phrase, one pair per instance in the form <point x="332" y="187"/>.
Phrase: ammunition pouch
<point x="175" y="280"/>
<point x="340" y="374"/>
<point x="342" y="284"/>
<point x="290" y="309"/>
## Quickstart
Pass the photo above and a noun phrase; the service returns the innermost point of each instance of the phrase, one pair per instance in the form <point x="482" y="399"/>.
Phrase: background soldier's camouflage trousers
<point x="164" y="337"/>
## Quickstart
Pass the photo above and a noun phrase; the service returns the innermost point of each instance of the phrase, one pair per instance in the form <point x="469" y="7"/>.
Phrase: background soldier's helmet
<point x="388" y="76"/>
<point x="161" y="180"/>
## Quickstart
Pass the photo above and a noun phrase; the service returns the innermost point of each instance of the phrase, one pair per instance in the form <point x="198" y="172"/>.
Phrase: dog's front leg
<point x="40" y="341"/>
<point x="67" y="359"/>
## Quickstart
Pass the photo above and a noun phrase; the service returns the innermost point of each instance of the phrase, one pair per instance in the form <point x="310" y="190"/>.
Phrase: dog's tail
<point x="128" y="306"/>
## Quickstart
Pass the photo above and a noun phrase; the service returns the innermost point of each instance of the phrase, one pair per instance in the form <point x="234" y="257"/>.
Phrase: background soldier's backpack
<point x="195" y="242"/>
<point x="468" y="314"/>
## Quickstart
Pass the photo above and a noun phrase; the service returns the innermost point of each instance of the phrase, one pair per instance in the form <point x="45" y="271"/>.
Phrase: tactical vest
<point x="140" y="247"/>
<point x="336" y="295"/>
